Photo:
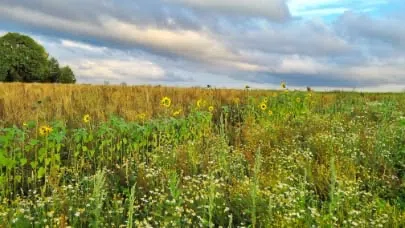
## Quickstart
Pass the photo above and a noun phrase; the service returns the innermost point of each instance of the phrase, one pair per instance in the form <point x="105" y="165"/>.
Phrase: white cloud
<point x="80" y="45"/>
<point x="197" y="45"/>
<point x="331" y="7"/>
<point x="272" y="9"/>
<point x="129" y="69"/>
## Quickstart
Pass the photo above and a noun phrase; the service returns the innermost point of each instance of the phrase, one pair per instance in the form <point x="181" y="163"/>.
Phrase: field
<point x="122" y="156"/>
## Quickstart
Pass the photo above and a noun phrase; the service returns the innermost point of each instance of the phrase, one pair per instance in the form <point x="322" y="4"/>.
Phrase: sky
<point x="324" y="44"/>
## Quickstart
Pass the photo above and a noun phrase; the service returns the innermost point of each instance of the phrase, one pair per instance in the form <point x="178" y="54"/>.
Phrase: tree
<point x="54" y="70"/>
<point x="24" y="60"/>
<point x="66" y="75"/>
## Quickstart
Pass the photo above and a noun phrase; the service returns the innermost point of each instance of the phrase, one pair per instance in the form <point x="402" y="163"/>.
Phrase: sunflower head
<point x="201" y="103"/>
<point x="211" y="108"/>
<point x="265" y="100"/>
<point x="263" y="106"/>
<point x="86" y="118"/>
<point x="45" y="130"/>
<point x="270" y="113"/>
<point x="298" y="100"/>
<point x="166" y="102"/>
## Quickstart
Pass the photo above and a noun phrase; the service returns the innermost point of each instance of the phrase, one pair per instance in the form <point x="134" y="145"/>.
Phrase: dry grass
<point x="20" y="102"/>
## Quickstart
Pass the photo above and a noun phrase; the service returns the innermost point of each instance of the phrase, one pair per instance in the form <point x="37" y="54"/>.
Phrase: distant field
<point x="123" y="156"/>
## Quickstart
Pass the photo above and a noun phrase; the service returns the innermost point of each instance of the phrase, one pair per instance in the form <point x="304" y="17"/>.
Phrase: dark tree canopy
<point x="24" y="60"/>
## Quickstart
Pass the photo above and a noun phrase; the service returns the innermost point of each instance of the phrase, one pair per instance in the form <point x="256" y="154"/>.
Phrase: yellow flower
<point x="45" y="130"/>
<point x="166" y="102"/>
<point x="265" y="100"/>
<point x="211" y="108"/>
<point x="176" y="113"/>
<point x="25" y="124"/>
<point x="263" y="106"/>
<point x="236" y="100"/>
<point x="298" y="100"/>
<point x="201" y="103"/>
<point x="86" y="118"/>
<point x="270" y="113"/>
<point x="141" y="116"/>
<point x="283" y="85"/>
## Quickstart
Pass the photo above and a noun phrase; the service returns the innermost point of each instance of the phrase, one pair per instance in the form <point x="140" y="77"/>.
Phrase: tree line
<point x="24" y="60"/>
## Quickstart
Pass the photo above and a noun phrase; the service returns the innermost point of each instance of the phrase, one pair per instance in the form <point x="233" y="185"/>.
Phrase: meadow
<point x="143" y="156"/>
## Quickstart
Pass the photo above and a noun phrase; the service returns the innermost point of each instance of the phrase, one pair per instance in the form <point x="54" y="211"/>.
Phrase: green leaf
<point x="23" y="161"/>
<point x="41" y="172"/>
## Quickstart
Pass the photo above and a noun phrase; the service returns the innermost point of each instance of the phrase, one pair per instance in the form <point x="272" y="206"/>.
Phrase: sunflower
<point x="86" y="118"/>
<point x="201" y="103"/>
<point x="45" y="130"/>
<point x="283" y="85"/>
<point x="211" y="108"/>
<point x="263" y="106"/>
<point x="298" y="100"/>
<point x="270" y="113"/>
<point x="265" y="100"/>
<point x="166" y="102"/>
<point x="176" y="113"/>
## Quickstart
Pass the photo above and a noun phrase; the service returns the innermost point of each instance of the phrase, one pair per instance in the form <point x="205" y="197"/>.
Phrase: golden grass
<point x="21" y="102"/>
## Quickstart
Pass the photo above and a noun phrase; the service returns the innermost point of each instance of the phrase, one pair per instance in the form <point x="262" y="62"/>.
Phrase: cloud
<point x="356" y="26"/>
<point x="74" y="45"/>
<point x="186" y="43"/>
<point x="273" y="9"/>
<point x="320" y="8"/>
<point x="132" y="69"/>
<point x="193" y="42"/>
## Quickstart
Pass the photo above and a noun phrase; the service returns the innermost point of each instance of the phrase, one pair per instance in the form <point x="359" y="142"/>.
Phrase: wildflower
<point x="176" y="113"/>
<point x="211" y="108"/>
<point x="283" y="85"/>
<point x="86" y="118"/>
<point x="263" y="106"/>
<point x="201" y="103"/>
<point x="45" y="130"/>
<point x="270" y="113"/>
<point x="50" y="214"/>
<point x="166" y="102"/>
<point x="298" y="100"/>
<point x="265" y="100"/>
<point x="141" y="116"/>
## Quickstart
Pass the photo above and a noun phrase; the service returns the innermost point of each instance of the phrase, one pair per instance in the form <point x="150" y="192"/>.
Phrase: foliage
<point x="24" y="60"/>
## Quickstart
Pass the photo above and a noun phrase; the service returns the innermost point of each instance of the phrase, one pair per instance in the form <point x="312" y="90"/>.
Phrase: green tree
<point x="22" y="59"/>
<point x="66" y="75"/>
<point x="54" y="70"/>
